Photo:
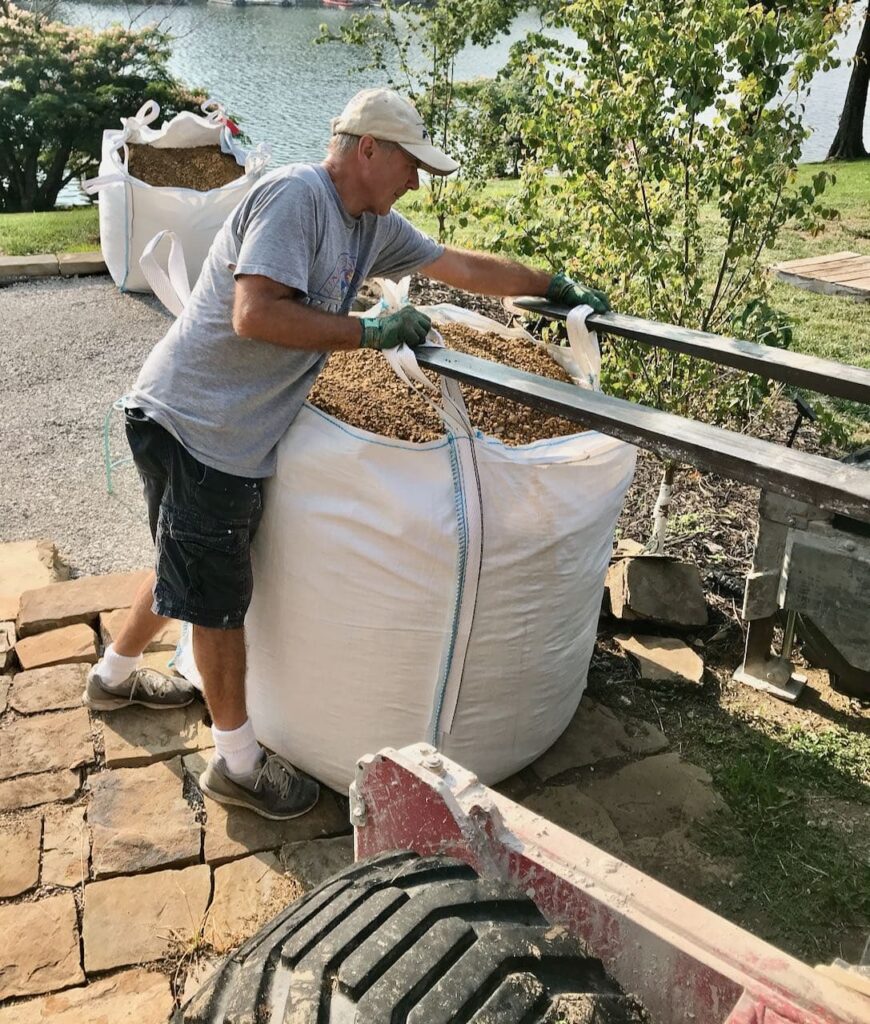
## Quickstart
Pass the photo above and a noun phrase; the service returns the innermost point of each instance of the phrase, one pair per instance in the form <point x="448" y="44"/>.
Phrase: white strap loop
<point x="215" y="112"/>
<point x="584" y="348"/>
<point x="258" y="159"/>
<point x="451" y="410"/>
<point x="93" y="185"/>
<point x="172" y="288"/>
<point x="404" y="363"/>
<point x="145" y="115"/>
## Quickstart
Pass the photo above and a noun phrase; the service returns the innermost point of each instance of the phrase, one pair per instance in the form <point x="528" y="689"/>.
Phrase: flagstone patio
<point x="121" y="885"/>
<point x="110" y="857"/>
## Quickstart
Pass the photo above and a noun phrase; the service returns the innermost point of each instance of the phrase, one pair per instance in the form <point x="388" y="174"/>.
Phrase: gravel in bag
<point x="360" y="388"/>
<point x="199" y="167"/>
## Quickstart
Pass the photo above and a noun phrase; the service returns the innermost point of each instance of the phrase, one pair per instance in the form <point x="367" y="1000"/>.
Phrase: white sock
<point x="114" y="669"/>
<point x="238" y="747"/>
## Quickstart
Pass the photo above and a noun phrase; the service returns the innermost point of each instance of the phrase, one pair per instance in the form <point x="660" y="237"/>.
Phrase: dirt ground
<point x="788" y="856"/>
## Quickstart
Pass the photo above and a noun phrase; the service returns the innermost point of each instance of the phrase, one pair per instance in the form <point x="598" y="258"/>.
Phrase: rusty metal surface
<point x="684" y="962"/>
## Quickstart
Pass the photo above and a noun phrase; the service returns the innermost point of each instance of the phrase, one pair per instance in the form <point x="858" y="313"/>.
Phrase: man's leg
<point x="220" y="658"/>
<point x="207" y="580"/>
<point x="142" y="624"/>
<point x="240" y="772"/>
<point x="117" y="679"/>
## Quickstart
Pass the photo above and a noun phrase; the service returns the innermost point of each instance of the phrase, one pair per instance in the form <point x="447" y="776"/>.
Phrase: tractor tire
<point x="400" y="938"/>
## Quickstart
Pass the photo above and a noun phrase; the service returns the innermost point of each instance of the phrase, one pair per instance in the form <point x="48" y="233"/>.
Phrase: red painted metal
<point x="684" y="962"/>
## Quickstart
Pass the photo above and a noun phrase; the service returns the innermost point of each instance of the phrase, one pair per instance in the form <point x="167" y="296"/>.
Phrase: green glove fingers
<point x="566" y="292"/>
<point x="406" y="327"/>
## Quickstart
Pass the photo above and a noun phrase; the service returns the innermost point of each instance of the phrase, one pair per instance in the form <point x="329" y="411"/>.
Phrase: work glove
<point x="409" y="327"/>
<point x="565" y="292"/>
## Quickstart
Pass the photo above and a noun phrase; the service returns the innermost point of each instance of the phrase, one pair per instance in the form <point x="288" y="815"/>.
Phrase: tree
<point x="848" y="143"/>
<point x="415" y="48"/>
<point x="666" y="165"/>
<point x="491" y="112"/>
<point x="60" y="86"/>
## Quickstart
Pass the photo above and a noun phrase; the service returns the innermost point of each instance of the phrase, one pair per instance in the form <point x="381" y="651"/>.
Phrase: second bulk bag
<point x="132" y="211"/>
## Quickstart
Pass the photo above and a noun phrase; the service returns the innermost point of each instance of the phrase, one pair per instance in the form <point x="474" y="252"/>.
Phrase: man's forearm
<point x="486" y="274"/>
<point x="292" y="324"/>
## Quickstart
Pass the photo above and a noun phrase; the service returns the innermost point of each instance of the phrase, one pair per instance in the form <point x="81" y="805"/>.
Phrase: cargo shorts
<point x="202" y="523"/>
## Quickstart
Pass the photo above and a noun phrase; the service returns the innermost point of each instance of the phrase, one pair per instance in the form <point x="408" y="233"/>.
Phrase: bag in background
<point x="133" y="212"/>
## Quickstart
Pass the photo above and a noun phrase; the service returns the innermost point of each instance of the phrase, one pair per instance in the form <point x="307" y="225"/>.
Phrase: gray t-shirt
<point x="227" y="399"/>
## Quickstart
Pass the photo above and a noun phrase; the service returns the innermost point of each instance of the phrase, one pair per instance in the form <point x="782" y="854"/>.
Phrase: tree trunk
<point x="52" y="181"/>
<point x="848" y="143"/>
<point x="656" y="543"/>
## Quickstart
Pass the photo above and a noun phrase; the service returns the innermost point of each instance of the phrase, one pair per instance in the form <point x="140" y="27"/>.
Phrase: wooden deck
<point x="840" y="273"/>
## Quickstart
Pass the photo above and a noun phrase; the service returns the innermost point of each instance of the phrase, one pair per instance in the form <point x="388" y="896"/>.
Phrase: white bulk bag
<point x="446" y="591"/>
<point x="133" y="212"/>
<point x="370" y="556"/>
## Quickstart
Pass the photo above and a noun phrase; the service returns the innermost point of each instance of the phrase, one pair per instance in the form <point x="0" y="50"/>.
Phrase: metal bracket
<point x="759" y="670"/>
<point x="766" y="676"/>
<point x="358" y="810"/>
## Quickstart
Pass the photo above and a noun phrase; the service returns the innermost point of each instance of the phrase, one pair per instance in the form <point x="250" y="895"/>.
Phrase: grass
<point x="57" y="231"/>
<point x="803" y="879"/>
<point x="800" y="882"/>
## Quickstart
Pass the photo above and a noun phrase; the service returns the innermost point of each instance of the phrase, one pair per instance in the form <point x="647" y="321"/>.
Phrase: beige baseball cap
<point x="386" y="115"/>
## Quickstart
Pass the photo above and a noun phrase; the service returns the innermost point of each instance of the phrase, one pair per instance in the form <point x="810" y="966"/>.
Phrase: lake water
<point x="262" y="63"/>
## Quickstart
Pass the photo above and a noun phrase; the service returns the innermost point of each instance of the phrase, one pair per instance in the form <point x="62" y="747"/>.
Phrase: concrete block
<point x="78" y="264"/>
<point x="13" y="268"/>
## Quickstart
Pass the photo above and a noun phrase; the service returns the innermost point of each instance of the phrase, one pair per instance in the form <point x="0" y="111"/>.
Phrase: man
<point x="216" y="395"/>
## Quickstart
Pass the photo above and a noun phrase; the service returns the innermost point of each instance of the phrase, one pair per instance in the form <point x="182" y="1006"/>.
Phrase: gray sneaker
<point x="145" y="686"/>
<point x="274" y="790"/>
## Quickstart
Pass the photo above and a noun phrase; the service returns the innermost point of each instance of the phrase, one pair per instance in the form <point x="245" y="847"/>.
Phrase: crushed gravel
<point x="69" y="349"/>
<point x="198" y="167"/>
<point x="361" y="389"/>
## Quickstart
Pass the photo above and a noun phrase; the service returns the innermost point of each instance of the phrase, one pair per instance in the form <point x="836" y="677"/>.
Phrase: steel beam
<point x="825" y="483"/>
<point x="820" y="375"/>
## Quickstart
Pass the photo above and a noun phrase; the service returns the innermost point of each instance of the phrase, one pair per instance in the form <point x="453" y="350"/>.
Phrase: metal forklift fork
<point x="805" y="560"/>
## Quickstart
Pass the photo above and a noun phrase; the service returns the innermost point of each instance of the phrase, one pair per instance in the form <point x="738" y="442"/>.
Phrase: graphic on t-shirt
<point x="334" y="288"/>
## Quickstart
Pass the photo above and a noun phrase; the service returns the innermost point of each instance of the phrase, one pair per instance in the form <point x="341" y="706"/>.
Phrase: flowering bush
<point x="60" y="86"/>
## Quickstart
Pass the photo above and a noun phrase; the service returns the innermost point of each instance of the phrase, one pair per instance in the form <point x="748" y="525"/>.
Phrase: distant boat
<point x="255" y="3"/>
<point x="346" y="3"/>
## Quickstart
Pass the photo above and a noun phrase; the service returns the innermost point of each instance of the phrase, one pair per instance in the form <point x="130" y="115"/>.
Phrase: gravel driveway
<point x="68" y="349"/>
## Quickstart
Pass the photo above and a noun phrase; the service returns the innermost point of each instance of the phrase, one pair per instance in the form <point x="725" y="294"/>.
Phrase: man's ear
<point x="366" y="147"/>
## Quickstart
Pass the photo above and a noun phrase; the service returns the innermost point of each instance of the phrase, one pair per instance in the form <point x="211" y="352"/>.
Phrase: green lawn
<point x="830" y="326"/>
<point x="71" y="230"/>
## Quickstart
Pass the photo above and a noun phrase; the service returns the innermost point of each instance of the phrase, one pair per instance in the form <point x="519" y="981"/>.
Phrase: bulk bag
<point x="132" y="212"/>
<point x="446" y="592"/>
